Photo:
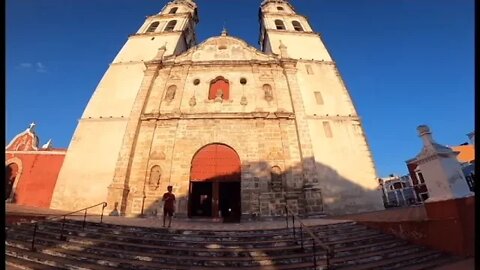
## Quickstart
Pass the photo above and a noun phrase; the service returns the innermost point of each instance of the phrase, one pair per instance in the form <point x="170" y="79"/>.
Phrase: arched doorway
<point x="215" y="183"/>
<point x="11" y="172"/>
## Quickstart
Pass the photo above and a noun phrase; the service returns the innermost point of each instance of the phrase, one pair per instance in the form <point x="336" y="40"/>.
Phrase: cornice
<point x="310" y="33"/>
<point x="192" y="116"/>
<point x="334" y="117"/>
<point x="101" y="118"/>
<point x="155" y="34"/>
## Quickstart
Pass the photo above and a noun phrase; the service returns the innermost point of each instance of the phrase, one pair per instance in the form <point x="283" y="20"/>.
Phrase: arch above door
<point x="215" y="162"/>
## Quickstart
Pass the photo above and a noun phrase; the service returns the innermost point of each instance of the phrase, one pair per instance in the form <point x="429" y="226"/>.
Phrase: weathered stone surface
<point x="272" y="118"/>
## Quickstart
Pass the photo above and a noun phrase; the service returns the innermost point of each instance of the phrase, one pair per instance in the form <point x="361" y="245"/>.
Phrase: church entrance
<point x="215" y="183"/>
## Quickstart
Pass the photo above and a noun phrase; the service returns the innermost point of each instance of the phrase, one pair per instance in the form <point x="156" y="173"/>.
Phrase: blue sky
<point x="405" y="62"/>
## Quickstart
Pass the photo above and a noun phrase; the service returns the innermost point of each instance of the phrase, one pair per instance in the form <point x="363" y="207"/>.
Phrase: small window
<point x="318" y="98"/>
<point x="173" y="10"/>
<point x="420" y="178"/>
<point x="297" y="26"/>
<point x="170" y="26"/>
<point x="196" y="82"/>
<point x="309" y="69"/>
<point x="152" y="27"/>
<point x="279" y="25"/>
<point x="327" y="129"/>
<point x="280" y="8"/>
<point x="243" y="81"/>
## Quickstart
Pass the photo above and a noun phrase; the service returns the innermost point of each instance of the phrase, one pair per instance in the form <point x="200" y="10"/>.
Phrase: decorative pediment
<point x="25" y="141"/>
<point x="222" y="48"/>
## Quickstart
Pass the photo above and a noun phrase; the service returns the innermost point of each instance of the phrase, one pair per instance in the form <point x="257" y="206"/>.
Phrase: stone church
<point x="237" y="131"/>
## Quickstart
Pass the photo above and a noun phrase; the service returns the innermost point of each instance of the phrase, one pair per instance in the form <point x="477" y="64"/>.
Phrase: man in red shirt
<point x="168" y="205"/>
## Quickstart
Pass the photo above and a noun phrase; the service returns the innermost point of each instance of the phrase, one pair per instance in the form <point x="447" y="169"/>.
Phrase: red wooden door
<point x="215" y="162"/>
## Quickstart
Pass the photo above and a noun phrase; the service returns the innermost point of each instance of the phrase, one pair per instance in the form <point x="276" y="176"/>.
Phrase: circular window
<point x="243" y="81"/>
<point x="196" y="82"/>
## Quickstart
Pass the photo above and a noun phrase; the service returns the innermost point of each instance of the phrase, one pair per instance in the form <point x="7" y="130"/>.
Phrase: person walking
<point x="168" y="205"/>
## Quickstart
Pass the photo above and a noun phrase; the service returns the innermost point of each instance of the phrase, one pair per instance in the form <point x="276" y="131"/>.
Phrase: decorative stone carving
<point x="192" y="101"/>
<point x="243" y="101"/>
<point x="170" y="95"/>
<point x="267" y="89"/>
<point x="157" y="155"/>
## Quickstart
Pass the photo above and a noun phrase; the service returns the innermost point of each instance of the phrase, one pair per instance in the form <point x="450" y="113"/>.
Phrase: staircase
<point x="107" y="246"/>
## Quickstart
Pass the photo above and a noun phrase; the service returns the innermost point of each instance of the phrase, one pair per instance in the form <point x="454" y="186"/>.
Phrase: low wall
<point x="448" y="226"/>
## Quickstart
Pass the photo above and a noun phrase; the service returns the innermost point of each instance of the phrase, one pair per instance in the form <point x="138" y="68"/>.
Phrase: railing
<point x="62" y="236"/>
<point x="315" y="240"/>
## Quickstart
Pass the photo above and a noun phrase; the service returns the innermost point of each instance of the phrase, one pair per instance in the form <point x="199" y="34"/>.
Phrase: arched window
<point x="280" y="8"/>
<point x="170" y="26"/>
<point x="297" y="26"/>
<point x="219" y="89"/>
<point x="279" y="25"/>
<point x="152" y="27"/>
<point x="173" y="10"/>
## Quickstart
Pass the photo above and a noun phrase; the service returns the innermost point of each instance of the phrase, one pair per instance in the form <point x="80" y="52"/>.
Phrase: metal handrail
<point x="315" y="239"/>
<point x="54" y="217"/>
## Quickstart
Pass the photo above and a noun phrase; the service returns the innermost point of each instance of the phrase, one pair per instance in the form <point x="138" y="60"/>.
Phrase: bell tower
<point x="280" y="24"/>
<point x="89" y="164"/>
<point x="328" y="126"/>
<point x="173" y="27"/>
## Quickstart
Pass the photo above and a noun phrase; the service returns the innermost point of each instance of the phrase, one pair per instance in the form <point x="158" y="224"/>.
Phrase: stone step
<point x="424" y="263"/>
<point x="233" y="256"/>
<point x="76" y="261"/>
<point x="239" y="232"/>
<point x="386" y="262"/>
<point x="108" y="246"/>
<point x="347" y="241"/>
<point x="241" y="253"/>
<point x="50" y="260"/>
<point x="167" y="239"/>
<point x="149" y="249"/>
<point x="361" y="258"/>
<point x="15" y="263"/>
<point x="171" y="239"/>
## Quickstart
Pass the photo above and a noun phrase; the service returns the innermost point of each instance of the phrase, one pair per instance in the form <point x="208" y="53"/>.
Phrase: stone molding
<point x="334" y="118"/>
<point x="188" y="116"/>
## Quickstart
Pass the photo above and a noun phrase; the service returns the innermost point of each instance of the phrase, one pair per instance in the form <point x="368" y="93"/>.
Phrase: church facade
<point x="237" y="131"/>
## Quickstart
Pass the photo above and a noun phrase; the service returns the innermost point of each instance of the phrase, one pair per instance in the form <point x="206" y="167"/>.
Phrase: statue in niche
<point x="267" y="89"/>
<point x="276" y="182"/>
<point x="154" y="179"/>
<point x="219" y="96"/>
<point x="170" y="95"/>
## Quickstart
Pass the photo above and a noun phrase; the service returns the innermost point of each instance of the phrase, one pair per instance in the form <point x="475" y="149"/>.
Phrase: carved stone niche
<point x="170" y="95"/>
<point x="154" y="177"/>
<point x="268" y="93"/>
<point x="276" y="179"/>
